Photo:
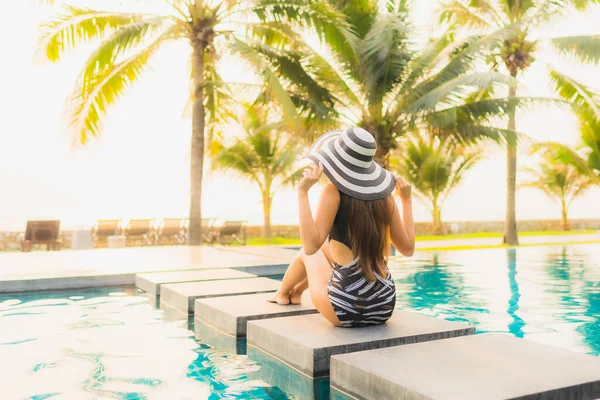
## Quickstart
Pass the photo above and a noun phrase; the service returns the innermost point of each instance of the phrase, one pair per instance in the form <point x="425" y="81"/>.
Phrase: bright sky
<point x="140" y="166"/>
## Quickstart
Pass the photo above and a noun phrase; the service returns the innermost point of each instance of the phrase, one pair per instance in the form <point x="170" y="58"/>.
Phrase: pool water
<point x="113" y="343"/>
<point x="546" y="294"/>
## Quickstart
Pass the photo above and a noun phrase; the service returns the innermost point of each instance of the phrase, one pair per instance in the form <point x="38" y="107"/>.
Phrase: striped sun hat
<point x="347" y="159"/>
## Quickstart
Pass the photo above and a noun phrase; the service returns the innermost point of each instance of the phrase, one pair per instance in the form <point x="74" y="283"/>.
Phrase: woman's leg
<point x="295" y="274"/>
<point x="296" y="293"/>
<point x="316" y="270"/>
<point x="295" y="281"/>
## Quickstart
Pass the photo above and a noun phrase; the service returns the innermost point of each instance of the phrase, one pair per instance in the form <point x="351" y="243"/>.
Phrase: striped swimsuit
<point x="356" y="300"/>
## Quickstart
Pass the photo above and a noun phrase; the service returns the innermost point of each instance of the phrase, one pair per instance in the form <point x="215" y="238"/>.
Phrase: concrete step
<point x="151" y="282"/>
<point x="181" y="296"/>
<point x="231" y="314"/>
<point x="307" y="342"/>
<point x="205" y="333"/>
<point x="290" y="380"/>
<point x="65" y="280"/>
<point x="486" y="366"/>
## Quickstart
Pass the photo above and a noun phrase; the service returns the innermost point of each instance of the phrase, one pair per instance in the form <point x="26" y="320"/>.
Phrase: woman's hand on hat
<point x="403" y="188"/>
<point x="310" y="177"/>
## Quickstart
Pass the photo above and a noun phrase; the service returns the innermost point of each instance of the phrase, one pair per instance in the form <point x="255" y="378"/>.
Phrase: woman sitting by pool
<point x="350" y="283"/>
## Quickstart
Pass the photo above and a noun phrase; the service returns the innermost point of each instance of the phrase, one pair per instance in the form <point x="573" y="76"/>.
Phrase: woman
<point x="346" y="245"/>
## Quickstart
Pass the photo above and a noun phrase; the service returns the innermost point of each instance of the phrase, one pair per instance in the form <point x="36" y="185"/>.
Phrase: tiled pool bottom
<point x="112" y="344"/>
<point x="546" y="294"/>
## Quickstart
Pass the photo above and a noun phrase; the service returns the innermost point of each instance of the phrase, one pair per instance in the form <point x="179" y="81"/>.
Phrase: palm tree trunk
<point x="438" y="226"/>
<point x="197" y="151"/>
<point x="510" y="223"/>
<point x="267" y="199"/>
<point x="565" y="218"/>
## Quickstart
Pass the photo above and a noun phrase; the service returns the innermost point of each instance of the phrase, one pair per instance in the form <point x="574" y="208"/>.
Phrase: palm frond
<point x="124" y="39"/>
<point x="467" y="132"/>
<point x="384" y="55"/>
<point x="446" y="93"/>
<point x="575" y="93"/>
<point x="328" y="75"/>
<point x="218" y="100"/>
<point x="91" y="100"/>
<point x="516" y="9"/>
<point x="253" y="55"/>
<point x="272" y="33"/>
<point x="77" y="26"/>
<point x="486" y="109"/>
<point x="562" y="154"/>
<point x="327" y="22"/>
<point x="583" y="48"/>
<point x="423" y="63"/>
<point x="455" y="13"/>
<point x="464" y="55"/>
<point x="238" y="158"/>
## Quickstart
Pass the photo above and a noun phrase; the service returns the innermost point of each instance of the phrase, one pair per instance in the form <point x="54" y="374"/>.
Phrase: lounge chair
<point x="172" y="230"/>
<point x="208" y="230"/>
<point x="41" y="232"/>
<point x="140" y="228"/>
<point x="233" y="229"/>
<point x="104" y="228"/>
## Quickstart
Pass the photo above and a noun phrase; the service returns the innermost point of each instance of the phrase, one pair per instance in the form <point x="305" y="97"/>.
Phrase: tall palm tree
<point x="383" y="81"/>
<point x="252" y="31"/>
<point x="434" y="166"/>
<point x="265" y="156"/>
<point x="561" y="181"/>
<point x="517" y="53"/>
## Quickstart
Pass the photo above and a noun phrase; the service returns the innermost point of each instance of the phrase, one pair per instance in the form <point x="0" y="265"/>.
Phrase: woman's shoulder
<point x="331" y="190"/>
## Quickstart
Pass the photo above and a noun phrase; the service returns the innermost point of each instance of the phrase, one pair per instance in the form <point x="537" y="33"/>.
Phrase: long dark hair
<point x="369" y="231"/>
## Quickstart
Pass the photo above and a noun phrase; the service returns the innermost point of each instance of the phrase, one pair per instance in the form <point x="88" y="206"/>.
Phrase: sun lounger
<point x="208" y="230"/>
<point x="172" y="230"/>
<point x="233" y="229"/>
<point x="41" y="232"/>
<point x="140" y="229"/>
<point x="104" y="228"/>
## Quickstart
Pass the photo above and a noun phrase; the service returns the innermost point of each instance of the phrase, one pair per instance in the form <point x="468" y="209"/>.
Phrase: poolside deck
<point x="100" y="267"/>
<point x="486" y="366"/>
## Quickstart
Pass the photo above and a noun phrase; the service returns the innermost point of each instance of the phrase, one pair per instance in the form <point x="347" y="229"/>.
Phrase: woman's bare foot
<point x="279" y="299"/>
<point x="295" y="297"/>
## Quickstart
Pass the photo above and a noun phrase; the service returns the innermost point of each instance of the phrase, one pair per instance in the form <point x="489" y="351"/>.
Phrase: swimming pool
<point x="546" y="294"/>
<point x="112" y="343"/>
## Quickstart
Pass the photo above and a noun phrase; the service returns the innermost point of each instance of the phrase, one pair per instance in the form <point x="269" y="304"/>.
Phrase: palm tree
<point x="434" y="166"/>
<point x="264" y="156"/>
<point x="561" y="181"/>
<point x="381" y="80"/>
<point x="588" y="114"/>
<point x="517" y="53"/>
<point x="252" y="31"/>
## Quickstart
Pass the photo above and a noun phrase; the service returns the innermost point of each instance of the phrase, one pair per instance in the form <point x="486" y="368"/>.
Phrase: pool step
<point x="151" y="282"/>
<point x="181" y="296"/>
<point x="67" y="280"/>
<point x="486" y="366"/>
<point x="307" y="342"/>
<point x="231" y="314"/>
<point x="290" y="380"/>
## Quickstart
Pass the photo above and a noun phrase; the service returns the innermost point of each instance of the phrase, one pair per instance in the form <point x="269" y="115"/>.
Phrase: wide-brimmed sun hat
<point x="347" y="159"/>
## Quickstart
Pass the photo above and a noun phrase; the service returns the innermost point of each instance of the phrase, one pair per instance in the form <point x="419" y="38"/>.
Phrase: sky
<point x="140" y="166"/>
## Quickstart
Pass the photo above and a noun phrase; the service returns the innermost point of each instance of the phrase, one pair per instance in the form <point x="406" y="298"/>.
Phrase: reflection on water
<point x="516" y="326"/>
<point x="112" y="344"/>
<point x="547" y="294"/>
